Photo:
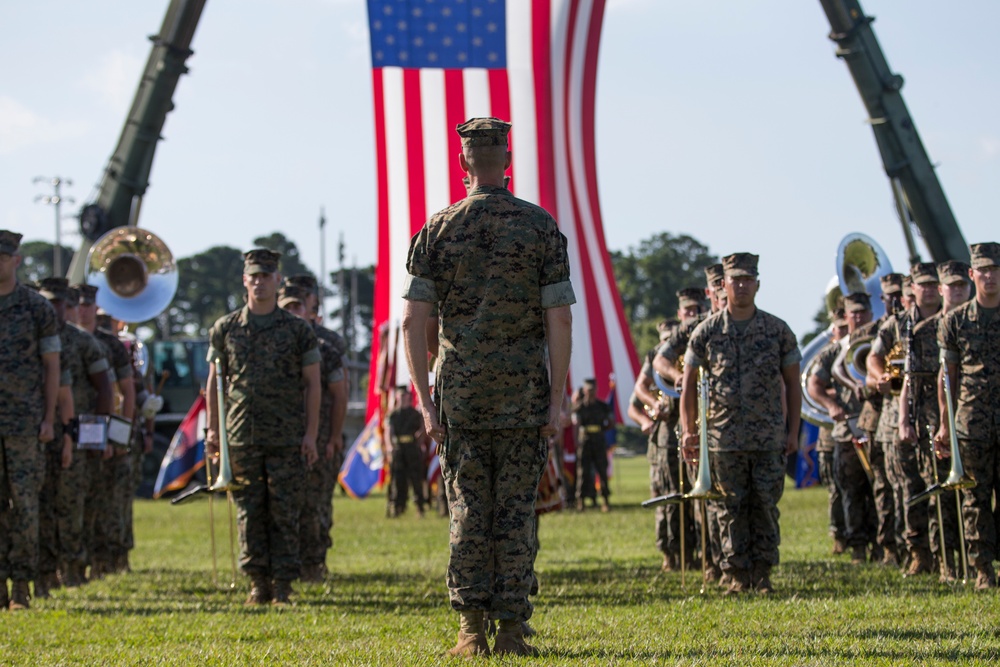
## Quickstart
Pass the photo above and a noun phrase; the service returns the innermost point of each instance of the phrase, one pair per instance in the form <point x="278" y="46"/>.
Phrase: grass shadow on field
<point x="171" y="591"/>
<point x="576" y="582"/>
<point x="776" y="650"/>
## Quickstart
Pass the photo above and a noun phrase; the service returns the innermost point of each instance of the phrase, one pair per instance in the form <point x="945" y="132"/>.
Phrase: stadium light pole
<point x="55" y="199"/>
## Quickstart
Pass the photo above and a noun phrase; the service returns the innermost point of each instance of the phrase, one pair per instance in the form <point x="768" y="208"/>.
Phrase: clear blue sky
<point x="728" y="120"/>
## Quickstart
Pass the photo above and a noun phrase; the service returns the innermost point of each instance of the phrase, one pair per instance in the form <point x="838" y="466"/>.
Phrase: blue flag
<point x="807" y="463"/>
<point x="363" y="464"/>
<point x="186" y="454"/>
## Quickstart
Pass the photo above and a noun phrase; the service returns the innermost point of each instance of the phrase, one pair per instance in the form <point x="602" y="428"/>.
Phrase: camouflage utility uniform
<point x="84" y="358"/>
<point x="826" y="447"/>
<point x="903" y="461"/>
<point x="857" y="508"/>
<point x="262" y="361"/>
<point x="28" y="330"/>
<point x="672" y="349"/>
<point x="926" y="362"/>
<point x="888" y="516"/>
<point x="662" y="454"/>
<point x="316" y="522"/>
<point x="109" y="478"/>
<point x="746" y="432"/>
<point x="969" y="337"/>
<point x="493" y="263"/>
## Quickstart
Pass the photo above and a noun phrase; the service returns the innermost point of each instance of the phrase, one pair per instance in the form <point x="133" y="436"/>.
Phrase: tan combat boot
<point x="282" y="592"/>
<point x="19" y="596"/>
<point x="762" y="579"/>
<point x="471" y="636"/>
<point x="920" y="562"/>
<point x="510" y="640"/>
<point x="260" y="591"/>
<point x="986" y="578"/>
<point x="859" y="554"/>
<point x="739" y="582"/>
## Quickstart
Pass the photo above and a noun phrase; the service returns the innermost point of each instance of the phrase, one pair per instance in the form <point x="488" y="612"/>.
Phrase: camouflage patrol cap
<point x="892" y="283"/>
<point x="740" y="265"/>
<point x="260" y="260"/>
<point x="72" y="297"/>
<point x="9" y="242"/>
<point x="714" y="274"/>
<point x="666" y="327"/>
<point x="985" y="254"/>
<point x="857" y="302"/>
<point x="292" y="294"/>
<point x="923" y="273"/>
<point x="907" y="285"/>
<point x="54" y="288"/>
<point x="304" y="280"/>
<point x="690" y="296"/>
<point x="839" y="318"/>
<point x="953" y="272"/>
<point x="484" y="132"/>
<point x="88" y="293"/>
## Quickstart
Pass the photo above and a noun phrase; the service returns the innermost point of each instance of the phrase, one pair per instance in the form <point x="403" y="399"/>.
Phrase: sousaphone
<point x="134" y="272"/>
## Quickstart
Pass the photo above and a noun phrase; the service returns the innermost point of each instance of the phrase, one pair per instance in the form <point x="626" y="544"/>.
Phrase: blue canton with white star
<point x="446" y="34"/>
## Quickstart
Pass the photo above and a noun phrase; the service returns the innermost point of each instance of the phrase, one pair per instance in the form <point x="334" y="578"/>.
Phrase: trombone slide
<point x="224" y="482"/>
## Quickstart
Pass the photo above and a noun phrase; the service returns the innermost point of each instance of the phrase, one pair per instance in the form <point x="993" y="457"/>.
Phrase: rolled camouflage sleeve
<point x="824" y="363"/>
<point x="948" y="340"/>
<point x="789" y="348"/>
<point x="419" y="284"/>
<point x="308" y="346"/>
<point x="557" y="290"/>
<point x="697" y="349"/>
<point x="885" y="338"/>
<point x="49" y="344"/>
<point x="215" y="344"/>
<point x="310" y="357"/>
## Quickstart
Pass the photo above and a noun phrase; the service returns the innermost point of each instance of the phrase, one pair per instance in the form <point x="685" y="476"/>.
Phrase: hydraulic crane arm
<point x="903" y="154"/>
<point x="126" y="176"/>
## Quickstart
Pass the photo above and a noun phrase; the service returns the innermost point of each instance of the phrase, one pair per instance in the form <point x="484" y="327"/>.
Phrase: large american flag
<point x="437" y="63"/>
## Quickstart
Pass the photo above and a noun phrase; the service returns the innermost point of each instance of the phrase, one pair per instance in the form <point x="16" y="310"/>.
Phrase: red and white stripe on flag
<point x="437" y="63"/>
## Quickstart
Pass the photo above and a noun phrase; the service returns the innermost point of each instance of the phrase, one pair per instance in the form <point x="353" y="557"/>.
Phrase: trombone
<point x="224" y="480"/>
<point x="703" y="489"/>
<point x="957" y="477"/>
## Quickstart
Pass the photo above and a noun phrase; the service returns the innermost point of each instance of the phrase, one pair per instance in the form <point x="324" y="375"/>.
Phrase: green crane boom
<point x="126" y="176"/>
<point x="903" y="154"/>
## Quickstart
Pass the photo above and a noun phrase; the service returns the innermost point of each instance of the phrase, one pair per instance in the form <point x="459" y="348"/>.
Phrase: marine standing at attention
<point x="268" y="356"/>
<point x="29" y="365"/>
<point x="969" y="337"/>
<point x="498" y="270"/>
<point x="748" y="355"/>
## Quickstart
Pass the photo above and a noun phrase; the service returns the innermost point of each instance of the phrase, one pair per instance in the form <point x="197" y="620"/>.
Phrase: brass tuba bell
<point x="135" y="274"/>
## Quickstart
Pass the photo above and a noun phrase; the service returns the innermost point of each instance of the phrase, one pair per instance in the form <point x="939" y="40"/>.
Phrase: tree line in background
<point x="648" y="277"/>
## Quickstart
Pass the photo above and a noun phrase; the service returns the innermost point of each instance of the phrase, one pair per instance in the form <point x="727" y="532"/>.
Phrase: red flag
<point x="533" y="63"/>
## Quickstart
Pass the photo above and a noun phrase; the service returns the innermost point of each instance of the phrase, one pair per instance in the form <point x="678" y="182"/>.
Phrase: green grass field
<point x="603" y="601"/>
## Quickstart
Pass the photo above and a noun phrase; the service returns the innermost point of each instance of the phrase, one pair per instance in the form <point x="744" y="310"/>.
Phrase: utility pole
<point x="55" y="199"/>
<point x="354" y="300"/>
<point x="341" y="287"/>
<point x="322" y="263"/>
